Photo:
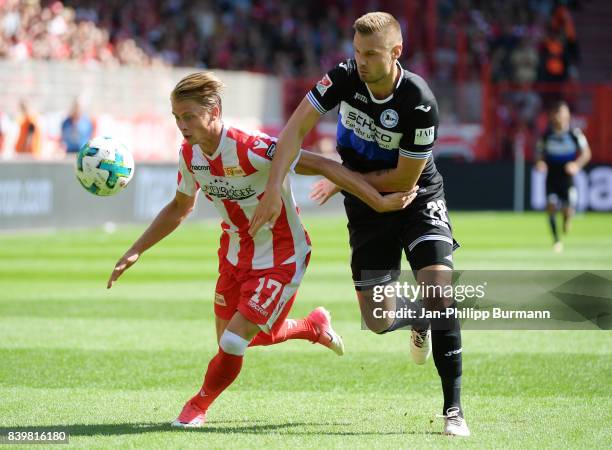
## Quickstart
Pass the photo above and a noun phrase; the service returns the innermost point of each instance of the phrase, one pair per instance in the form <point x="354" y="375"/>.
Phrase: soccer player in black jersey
<point x="561" y="152"/>
<point x="387" y="126"/>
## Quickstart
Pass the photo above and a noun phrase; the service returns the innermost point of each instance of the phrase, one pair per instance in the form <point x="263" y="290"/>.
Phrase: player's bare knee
<point x="435" y="280"/>
<point x="372" y="312"/>
<point x="233" y="344"/>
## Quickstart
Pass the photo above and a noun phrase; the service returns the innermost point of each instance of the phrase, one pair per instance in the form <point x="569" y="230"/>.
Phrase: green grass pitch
<point x="114" y="367"/>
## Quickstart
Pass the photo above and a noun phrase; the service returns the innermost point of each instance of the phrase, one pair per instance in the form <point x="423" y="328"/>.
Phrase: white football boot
<point x="454" y="423"/>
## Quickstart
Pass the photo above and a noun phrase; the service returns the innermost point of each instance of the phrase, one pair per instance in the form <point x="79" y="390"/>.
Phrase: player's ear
<point x="396" y="51"/>
<point x="215" y="113"/>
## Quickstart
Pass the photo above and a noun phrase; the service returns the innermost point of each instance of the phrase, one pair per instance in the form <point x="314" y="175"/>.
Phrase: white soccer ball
<point x="104" y="166"/>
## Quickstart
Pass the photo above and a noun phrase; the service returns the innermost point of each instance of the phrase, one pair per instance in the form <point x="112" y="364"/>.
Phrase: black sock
<point x="446" y="349"/>
<point x="402" y="305"/>
<point x="552" y="219"/>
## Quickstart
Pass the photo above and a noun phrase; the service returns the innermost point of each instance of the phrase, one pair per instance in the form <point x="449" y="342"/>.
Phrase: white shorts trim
<point x="429" y="237"/>
<point x="373" y="281"/>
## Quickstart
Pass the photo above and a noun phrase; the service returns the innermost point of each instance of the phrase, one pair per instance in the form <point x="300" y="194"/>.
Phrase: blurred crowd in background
<point x="523" y="40"/>
<point x="515" y="42"/>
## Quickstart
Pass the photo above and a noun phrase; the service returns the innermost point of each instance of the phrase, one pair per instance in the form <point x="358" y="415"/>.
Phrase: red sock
<point x="222" y="371"/>
<point x="289" y="329"/>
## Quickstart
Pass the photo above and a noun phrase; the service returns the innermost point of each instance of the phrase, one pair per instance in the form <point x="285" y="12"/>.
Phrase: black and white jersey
<point x="372" y="133"/>
<point x="557" y="149"/>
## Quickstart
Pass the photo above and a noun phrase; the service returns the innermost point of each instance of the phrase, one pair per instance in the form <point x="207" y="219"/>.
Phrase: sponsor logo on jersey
<point x="365" y="127"/>
<point x="204" y="168"/>
<point x="424" y="136"/>
<point x="361" y="97"/>
<point x="271" y="150"/>
<point x="324" y="84"/>
<point x="223" y="190"/>
<point x="560" y="146"/>
<point x="234" y="171"/>
<point x="424" y="108"/>
<point x="389" y="118"/>
<point x="220" y="299"/>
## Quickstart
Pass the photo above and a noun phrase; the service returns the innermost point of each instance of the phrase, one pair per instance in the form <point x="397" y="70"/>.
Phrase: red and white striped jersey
<point x="234" y="179"/>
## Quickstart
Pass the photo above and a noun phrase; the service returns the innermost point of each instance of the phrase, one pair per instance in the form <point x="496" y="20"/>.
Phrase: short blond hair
<point x="377" y="21"/>
<point x="203" y="87"/>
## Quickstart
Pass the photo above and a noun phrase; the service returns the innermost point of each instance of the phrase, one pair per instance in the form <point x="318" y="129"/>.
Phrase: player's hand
<point x="124" y="263"/>
<point x="571" y="168"/>
<point x="541" y="166"/>
<point x="267" y="211"/>
<point x="323" y="190"/>
<point x="398" y="200"/>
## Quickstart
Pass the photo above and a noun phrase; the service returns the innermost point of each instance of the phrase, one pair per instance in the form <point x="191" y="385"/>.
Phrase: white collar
<point x="399" y="80"/>
<point x="219" y="148"/>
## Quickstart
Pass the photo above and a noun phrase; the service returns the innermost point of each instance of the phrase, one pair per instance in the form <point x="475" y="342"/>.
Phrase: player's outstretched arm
<point x="165" y="223"/>
<point x="353" y="182"/>
<point x="288" y="145"/>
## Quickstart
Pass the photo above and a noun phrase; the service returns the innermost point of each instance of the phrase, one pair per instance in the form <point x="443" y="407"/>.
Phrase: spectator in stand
<point x="524" y="59"/>
<point x="563" y="23"/>
<point x="28" y="139"/>
<point x="553" y="57"/>
<point x="77" y="128"/>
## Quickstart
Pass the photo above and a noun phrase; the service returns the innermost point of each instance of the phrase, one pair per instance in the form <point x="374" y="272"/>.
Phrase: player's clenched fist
<point x="124" y="263"/>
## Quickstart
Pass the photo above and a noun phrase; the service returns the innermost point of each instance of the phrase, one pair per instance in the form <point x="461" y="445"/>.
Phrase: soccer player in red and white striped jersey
<point x="258" y="275"/>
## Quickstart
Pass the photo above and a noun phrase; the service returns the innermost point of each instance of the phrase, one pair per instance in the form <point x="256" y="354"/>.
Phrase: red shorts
<point x="263" y="296"/>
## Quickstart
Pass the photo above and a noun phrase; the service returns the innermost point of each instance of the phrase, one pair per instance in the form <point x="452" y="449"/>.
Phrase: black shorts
<point x="423" y="231"/>
<point x="560" y="189"/>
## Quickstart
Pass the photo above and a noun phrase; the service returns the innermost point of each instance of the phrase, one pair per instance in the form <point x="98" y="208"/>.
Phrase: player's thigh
<point x="556" y="192"/>
<point x="376" y="252"/>
<point x="266" y="296"/>
<point x="242" y="326"/>
<point x="227" y="292"/>
<point x="569" y="200"/>
<point x="427" y="236"/>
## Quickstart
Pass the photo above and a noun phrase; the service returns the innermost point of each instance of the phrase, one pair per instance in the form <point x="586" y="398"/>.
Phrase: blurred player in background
<point x="561" y="152"/>
<point x="258" y="275"/>
<point x="387" y="125"/>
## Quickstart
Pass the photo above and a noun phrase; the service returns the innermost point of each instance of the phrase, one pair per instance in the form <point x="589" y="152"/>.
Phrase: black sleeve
<point x="419" y="131"/>
<point x="330" y="89"/>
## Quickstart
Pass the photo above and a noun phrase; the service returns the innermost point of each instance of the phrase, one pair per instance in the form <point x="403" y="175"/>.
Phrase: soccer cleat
<point x="454" y="423"/>
<point x="420" y="345"/>
<point x="320" y="318"/>
<point x="558" y="247"/>
<point x="190" y="417"/>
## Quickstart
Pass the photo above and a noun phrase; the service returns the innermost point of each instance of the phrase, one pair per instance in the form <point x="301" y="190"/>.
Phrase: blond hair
<point x="203" y="87"/>
<point x="377" y="21"/>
